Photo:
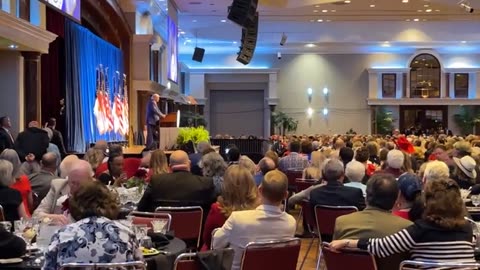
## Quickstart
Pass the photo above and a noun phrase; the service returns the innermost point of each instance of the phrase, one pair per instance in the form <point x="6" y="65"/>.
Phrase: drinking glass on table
<point x="475" y="200"/>
<point x="6" y="225"/>
<point x="159" y="225"/>
<point x="29" y="232"/>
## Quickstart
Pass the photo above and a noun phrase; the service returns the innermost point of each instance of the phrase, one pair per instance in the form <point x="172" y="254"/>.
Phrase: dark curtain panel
<point x="85" y="52"/>
<point x="53" y="71"/>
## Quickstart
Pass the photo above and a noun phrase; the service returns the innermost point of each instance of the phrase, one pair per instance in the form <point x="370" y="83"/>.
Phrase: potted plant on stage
<point x="188" y="138"/>
<point x="467" y="120"/>
<point x="284" y="123"/>
<point x="383" y="121"/>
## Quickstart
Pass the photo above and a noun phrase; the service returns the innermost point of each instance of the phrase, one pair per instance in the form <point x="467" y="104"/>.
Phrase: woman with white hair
<point x="355" y="172"/>
<point x="20" y="181"/>
<point x="10" y="199"/>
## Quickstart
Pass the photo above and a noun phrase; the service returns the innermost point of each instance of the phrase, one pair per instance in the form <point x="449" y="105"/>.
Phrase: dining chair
<point x="348" y="259"/>
<point x="136" y="265"/>
<point x="275" y="254"/>
<point x="410" y="265"/>
<point x="190" y="261"/>
<point x="2" y="214"/>
<point x="146" y="218"/>
<point x="186" y="223"/>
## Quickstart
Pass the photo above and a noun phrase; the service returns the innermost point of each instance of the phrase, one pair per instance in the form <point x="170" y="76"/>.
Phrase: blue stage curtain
<point x="84" y="53"/>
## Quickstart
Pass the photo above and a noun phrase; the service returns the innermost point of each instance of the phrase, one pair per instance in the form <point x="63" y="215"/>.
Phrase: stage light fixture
<point x="325" y="91"/>
<point x="279" y="55"/>
<point x="309" y="112"/>
<point x="325" y="111"/>
<point x="283" y="40"/>
<point x="465" y="5"/>
<point x="310" y="91"/>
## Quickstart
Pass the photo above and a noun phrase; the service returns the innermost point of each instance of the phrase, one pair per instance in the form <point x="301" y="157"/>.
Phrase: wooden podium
<point x="168" y="131"/>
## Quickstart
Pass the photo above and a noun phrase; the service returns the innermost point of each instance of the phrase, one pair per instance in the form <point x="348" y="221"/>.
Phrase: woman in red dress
<point x="239" y="192"/>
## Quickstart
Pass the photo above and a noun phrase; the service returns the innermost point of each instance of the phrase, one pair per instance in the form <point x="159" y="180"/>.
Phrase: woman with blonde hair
<point x="314" y="171"/>
<point x="95" y="157"/>
<point x="158" y="163"/>
<point x="239" y="192"/>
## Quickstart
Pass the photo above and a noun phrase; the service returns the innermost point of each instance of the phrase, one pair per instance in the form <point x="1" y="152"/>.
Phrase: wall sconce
<point x="325" y="91"/>
<point x="310" y="91"/>
<point x="310" y="112"/>
<point x="325" y="111"/>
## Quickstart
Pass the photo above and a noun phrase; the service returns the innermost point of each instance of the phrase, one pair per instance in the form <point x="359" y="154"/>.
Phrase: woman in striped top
<point x="442" y="235"/>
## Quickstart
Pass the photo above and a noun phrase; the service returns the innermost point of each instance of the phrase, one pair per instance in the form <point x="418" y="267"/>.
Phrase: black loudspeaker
<point x="198" y="54"/>
<point x="249" y="42"/>
<point x="242" y="12"/>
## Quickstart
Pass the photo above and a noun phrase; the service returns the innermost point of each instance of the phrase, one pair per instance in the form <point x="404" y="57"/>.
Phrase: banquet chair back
<point x="277" y="254"/>
<point x="302" y="184"/>
<point x="2" y="214"/>
<point x="326" y="215"/>
<point x="136" y="265"/>
<point x="292" y="176"/>
<point x="190" y="261"/>
<point x="186" y="223"/>
<point x="410" y="265"/>
<point x="146" y="218"/>
<point x="348" y="259"/>
<point x="131" y="165"/>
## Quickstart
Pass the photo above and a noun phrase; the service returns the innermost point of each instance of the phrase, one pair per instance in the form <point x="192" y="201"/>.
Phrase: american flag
<point x="99" y="107"/>
<point x="108" y="108"/>
<point x="126" y="122"/>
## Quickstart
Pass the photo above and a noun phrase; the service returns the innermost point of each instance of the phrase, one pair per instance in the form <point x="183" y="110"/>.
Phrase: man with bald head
<point x="267" y="222"/>
<point x="42" y="180"/>
<point x="55" y="203"/>
<point x="178" y="188"/>
<point x="264" y="166"/>
<point x="153" y="121"/>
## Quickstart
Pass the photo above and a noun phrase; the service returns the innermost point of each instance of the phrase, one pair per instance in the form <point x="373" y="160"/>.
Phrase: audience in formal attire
<point x="21" y="183"/>
<point x="233" y="154"/>
<point x="373" y="149"/>
<point x="248" y="164"/>
<point x="11" y="246"/>
<point x="346" y="155"/>
<point x="10" y="199"/>
<point x="266" y="222"/>
<point x="361" y="155"/>
<point x="464" y="172"/>
<point x="94" y="237"/>
<point x="55" y="205"/>
<point x="238" y="193"/>
<point x="334" y="192"/>
<point x="314" y="170"/>
<point x="158" y="163"/>
<point x="213" y="166"/>
<point x="6" y="138"/>
<point x="32" y="143"/>
<point x="115" y="175"/>
<point x="395" y="160"/>
<point x="265" y="165"/>
<point x="196" y="157"/>
<point x="355" y="172"/>
<point x="42" y="180"/>
<point x="376" y="220"/>
<point x="57" y="137"/>
<point x="178" y="188"/>
<point x="306" y="148"/>
<point x="294" y="160"/>
<point x="410" y="188"/>
<point x="442" y="235"/>
<point x="435" y="170"/>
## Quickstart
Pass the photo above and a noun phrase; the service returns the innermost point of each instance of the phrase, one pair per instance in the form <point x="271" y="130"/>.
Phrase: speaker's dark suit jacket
<point x="335" y="193"/>
<point x="180" y="188"/>
<point x="6" y="141"/>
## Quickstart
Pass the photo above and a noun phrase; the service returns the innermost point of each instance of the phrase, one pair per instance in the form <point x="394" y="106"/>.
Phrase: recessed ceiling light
<point x="312" y="20"/>
<point x="333" y="10"/>
<point x="319" y="20"/>
<point x="324" y="10"/>
<point x="419" y="10"/>
<point x="464" y="41"/>
<point x="317" y="6"/>
<point x="407" y="20"/>
<point x="416" y="20"/>
<point x="329" y="20"/>
<point x="372" y="6"/>
<point x="310" y="45"/>
<point x="223" y="20"/>
<point x="234" y="42"/>
<point x="182" y="32"/>
<point x="426" y="5"/>
<point x="347" y="1"/>
<point x="385" y="44"/>
<point x="437" y="10"/>
<point x="424" y="20"/>
<point x="315" y="11"/>
<point x="404" y="1"/>
<point x="194" y="20"/>
<point x="428" y="10"/>
<point x="13" y="46"/>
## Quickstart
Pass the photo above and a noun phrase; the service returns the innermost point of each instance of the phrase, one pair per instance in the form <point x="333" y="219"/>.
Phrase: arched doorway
<point x="425" y="72"/>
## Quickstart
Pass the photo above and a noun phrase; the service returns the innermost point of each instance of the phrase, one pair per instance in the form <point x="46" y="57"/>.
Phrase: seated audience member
<point x="266" y="222"/>
<point x="435" y="170"/>
<point x="395" y="159"/>
<point x="196" y="157"/>
<point x="355" y="172"/>
<point x="410" y="189"/>
<point x="233" y="154"/>
<point x="213" y="165"/>
<point x="178" y="188"/>
<point x="42" y="180"/>
<point x="346" y="155"/>
<point x="115" y="175"/>
<point x="6" y="138"/>
<point x="239" y="193"/>
<point x="102" y="145"/>
<point x="248" y="164"/>
<point x="57" y="137"/>
<point x="462" y="149"/>
<point x="51" y="146"/>
<point x="32" y="143"/>
<point x="21" y="182"/>
<point x="10" y="199"/>
<point x="294" y="161"/>
<point x="376" y="220"/>
<point x="362" y="155"/>
<point x="56" y="204"/>
<point x="158" y="163"/>
<point x="95" y="157"/>
<point x="314" y="170"/>
<point x="372" y="148"/>
<point x="94" y="237"/>
<point x="264" y="166"/>
<point x="306" y="149"/>
<point x="11" y="246"/>
<point x="334" y="192"/>
<point x="273" y="156"/>
<point x="442" y="235"/>
<point x="464" y="173"/>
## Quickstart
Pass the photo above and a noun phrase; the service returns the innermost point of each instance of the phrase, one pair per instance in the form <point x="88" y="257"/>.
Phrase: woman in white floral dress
<point x="94" y="238"/>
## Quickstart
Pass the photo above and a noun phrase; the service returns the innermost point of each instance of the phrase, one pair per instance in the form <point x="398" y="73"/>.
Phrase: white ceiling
<point x="360" y="26"/>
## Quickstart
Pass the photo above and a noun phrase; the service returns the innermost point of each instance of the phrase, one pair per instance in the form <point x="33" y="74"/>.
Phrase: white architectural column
<point x="373" y="89"/>
<point x="271" y="99"/>
<point x="443" y="86"/>
<point x="399" y="85"/>
<point x="451" y="85"/>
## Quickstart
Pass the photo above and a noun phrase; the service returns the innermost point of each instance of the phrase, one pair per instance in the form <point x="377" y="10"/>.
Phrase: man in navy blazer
<point x="153" y="120"/>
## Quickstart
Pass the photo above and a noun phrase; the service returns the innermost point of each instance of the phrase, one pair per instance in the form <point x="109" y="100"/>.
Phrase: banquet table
<point x="156" y="262"/>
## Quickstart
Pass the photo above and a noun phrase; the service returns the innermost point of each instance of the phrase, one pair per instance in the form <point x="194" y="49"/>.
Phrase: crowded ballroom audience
<point x="413" y="195"/>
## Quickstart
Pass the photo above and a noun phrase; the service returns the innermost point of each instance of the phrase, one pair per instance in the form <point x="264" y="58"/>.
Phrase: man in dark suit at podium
<point x="153" y="122"/>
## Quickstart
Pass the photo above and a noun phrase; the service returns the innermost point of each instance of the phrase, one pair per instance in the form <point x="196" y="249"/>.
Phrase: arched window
<point x="425" y="76"/>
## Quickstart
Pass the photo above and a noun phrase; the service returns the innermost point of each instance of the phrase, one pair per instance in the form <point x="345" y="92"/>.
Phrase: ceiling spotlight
<point x="283" y="40"/>
<point x="372" y="6"/>
<point x="347" y="1"/>
<point x="428" y="10"/>
<point x="324" y="10"/>
<point x="325" y="111"/>
<point x="404" y="1"/>
<point x="223" y="20"/>
<point x="466" y="6"/>
<point x="464" y="41"/>
<point x="279" y="55"/>
<point x="309" y="112"/>
<point x="319" y="20"/>
<point x="310" y="91"/>
<point x="385" y="44"/>
<point x="416" y="20"/>
<point x="310" y="45"/>
<point x="315" y="11"/>
<point x="13" y="46"/>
